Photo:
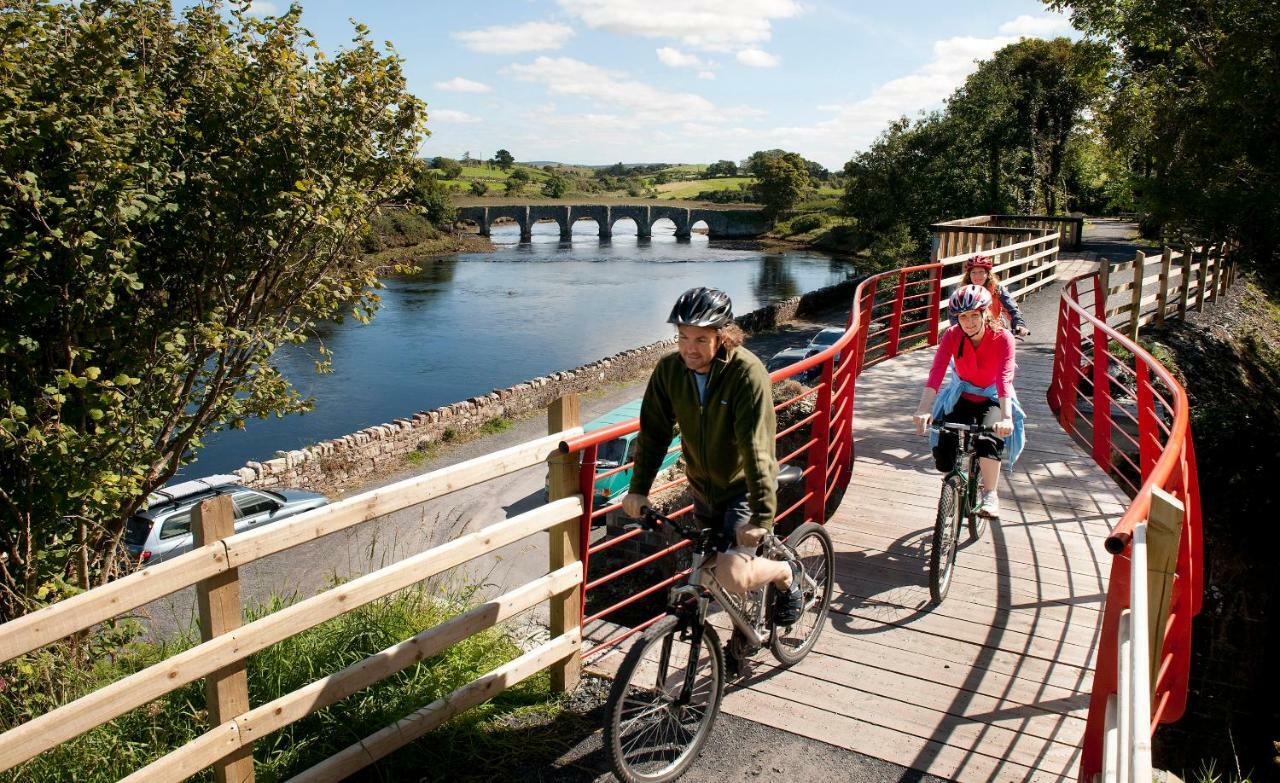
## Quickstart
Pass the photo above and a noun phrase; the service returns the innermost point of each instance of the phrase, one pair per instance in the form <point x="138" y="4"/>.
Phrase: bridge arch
<point x="555" y="212"/>
<point x="677" y="215"/>
<point x="597" y="212"/>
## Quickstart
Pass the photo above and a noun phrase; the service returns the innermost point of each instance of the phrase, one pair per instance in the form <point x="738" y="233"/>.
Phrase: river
<point x="471" y="323"/>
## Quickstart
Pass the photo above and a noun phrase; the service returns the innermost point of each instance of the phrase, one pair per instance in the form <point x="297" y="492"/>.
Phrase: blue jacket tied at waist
<point x="950" y="394"/>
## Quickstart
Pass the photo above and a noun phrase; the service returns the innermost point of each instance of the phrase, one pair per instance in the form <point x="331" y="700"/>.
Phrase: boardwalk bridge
<point x="1064" y="642"/>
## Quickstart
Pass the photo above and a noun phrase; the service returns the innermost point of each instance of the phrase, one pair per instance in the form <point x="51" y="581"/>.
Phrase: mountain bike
<point x="666" y="696"/>
<point x="960" y="500"/>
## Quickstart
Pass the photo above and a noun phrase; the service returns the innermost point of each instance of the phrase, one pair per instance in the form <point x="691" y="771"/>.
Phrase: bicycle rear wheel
<point x="946" y="533"/>
<point x="654" y="732"/>
<point x="812" y="544"/>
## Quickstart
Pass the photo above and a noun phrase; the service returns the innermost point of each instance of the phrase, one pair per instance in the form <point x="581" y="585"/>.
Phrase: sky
<point x="677" y="81"/>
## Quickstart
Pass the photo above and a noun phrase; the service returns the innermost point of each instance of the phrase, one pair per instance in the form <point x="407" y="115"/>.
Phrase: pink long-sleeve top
<point x="989" y="362"/>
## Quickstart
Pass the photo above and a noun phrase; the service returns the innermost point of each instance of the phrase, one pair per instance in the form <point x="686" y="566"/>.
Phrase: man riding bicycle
<point x="981" y="390"/>
<point x="978" y="271"/>
<point x="719" y="394"/>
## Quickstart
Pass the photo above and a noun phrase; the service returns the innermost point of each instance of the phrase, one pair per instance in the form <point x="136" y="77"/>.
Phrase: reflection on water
<point x="471" y="323"/>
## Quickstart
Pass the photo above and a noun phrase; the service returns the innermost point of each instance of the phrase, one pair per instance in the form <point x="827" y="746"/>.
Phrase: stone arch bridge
<point x="721" y="223"/>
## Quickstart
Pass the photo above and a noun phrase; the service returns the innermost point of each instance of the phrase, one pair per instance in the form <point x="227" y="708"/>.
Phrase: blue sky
<point x="678" y="81"/>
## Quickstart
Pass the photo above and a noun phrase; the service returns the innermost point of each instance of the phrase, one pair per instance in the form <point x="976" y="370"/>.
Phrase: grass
<point x="494" y="426"/>
<point x="691" y="188"/>
<point x="37" y="682"/>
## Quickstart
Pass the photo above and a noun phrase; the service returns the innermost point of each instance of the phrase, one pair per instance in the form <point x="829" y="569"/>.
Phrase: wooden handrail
<point x="32" y="631"/>
<point x="70" y="720"/>
<point x="296" y="705"/>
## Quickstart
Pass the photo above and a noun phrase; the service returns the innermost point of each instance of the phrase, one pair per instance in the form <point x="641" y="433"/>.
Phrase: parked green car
<point x="620" y="451"/>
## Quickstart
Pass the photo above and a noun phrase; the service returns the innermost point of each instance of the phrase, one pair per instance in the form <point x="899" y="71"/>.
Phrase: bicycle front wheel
<point x="661" y="709"/>
<point x="812" y="545"/>
<point x="946" y="534"/>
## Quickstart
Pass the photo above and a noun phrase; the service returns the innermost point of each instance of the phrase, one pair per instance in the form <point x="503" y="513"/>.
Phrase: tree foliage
<point x="503" y="160"/>
<point x="722" y="168"/>
<point x="179" y="196"/>
<point x="1196" y="113"/>
<point x="556" y="186"/>
<point x="780" y="181"/>
<point x="1005" y="142"/>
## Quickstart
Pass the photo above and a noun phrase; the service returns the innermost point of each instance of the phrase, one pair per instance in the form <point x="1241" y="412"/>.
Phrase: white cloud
<point x="674" y="58"/>
<point x="451" y="116"/>
<point x="263" y="8"/>
<point x="567" y="76"/>
<point x="757" y="58"/>
<point x="713" y="25"/>
<point x="512" y="39"/>
<point x="706" y="74"/>
<point x="459" y="84"/>
<point x="1037" y="26"/>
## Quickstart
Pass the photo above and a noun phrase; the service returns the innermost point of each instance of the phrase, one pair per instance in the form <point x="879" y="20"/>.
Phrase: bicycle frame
<point x="969" y="478"/>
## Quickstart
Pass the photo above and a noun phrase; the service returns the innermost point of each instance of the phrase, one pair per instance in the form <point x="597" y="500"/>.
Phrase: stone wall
<point x="345" y="461"/>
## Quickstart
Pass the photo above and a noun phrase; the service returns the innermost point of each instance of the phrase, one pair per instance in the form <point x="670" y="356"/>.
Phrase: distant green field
<point x="693" y="187"/>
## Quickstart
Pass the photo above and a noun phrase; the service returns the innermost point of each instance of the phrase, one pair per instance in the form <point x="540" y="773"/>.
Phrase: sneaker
<point x="788" y="604"/>
<point x="990" y="505"/>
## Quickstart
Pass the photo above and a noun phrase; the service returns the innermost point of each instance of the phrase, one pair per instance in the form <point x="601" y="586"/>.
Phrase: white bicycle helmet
<point x="969" y="298"/>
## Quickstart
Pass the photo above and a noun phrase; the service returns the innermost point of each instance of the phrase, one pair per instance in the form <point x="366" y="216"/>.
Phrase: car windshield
<point x="826" y="338"/>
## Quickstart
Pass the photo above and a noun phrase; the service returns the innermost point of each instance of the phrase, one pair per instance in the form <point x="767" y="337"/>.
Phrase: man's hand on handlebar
<point x="633" y="504"/>
<point x="1021" y="331"/>
<point x="1003" y="428"/>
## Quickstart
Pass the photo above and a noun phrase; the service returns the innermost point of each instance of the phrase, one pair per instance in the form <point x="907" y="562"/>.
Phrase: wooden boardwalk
<point x="993" y="685"/>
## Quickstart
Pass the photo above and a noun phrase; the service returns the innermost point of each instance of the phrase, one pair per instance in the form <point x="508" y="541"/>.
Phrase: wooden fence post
<point x="1162" y="298"/>
<point x="1164" y="533"/>
<point x="1135" y="301"/>
<point x="566" y="541"/>
<point x="1184" y="291"/>
<point x="218" y="598"/>
<point x="1103" y="294"/>
<point x="1203" y="277"/>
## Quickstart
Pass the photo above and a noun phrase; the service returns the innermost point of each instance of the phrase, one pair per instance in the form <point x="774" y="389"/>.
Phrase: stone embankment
<point x="346" y="460"/>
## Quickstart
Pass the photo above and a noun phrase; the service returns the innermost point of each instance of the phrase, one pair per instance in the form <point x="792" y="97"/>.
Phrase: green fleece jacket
<point x="728" y="440"/>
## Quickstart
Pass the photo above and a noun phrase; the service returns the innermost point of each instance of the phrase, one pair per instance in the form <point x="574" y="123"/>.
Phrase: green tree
<point x="780" y="182"/>
<point x="180" y="195"/>
<point x="448" y="167"/>
<point x="516" y="181"/>
<point x="1002" y="144"/>
<point x="479" y="187"/>
<point x="555" y="186"/>
<point x="1194" y="114"/>
<point x="503" y="160"/>
<point x="427" y="191"/>
<point x="722" y="168"/>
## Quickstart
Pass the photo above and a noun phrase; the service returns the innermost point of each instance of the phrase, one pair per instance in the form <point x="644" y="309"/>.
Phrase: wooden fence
<point x="983" y="232"/>
<point x="212" y="567"/>
<point x="1164" y="285"/>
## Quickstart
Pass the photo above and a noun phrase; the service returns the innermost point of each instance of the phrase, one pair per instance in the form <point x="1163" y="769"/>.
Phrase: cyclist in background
<point x="977" y="271"/>
<point x="981" y="355"/>
<point x="720" y="395"/>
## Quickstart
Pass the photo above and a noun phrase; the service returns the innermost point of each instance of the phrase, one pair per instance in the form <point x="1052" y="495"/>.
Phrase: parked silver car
<point x="163" y="530"/>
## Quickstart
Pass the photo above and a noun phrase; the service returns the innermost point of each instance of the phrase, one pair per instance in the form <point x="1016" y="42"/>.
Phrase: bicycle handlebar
<point x="951" y="425"/>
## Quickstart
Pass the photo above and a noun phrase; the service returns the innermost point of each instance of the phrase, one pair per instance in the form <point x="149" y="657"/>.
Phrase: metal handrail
<point x="1127" y="704"/>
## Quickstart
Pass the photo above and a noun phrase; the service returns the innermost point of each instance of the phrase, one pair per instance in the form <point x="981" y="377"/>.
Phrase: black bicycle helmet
<point x="701" y="306"/>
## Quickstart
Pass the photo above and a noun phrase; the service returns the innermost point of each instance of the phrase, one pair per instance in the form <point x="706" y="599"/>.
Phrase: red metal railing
<point x="891" y="313"/>
<point x="1110" y="393"/>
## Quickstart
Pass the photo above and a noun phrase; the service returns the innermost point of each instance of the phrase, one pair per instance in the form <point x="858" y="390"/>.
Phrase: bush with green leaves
<point x="180" y="195"/>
